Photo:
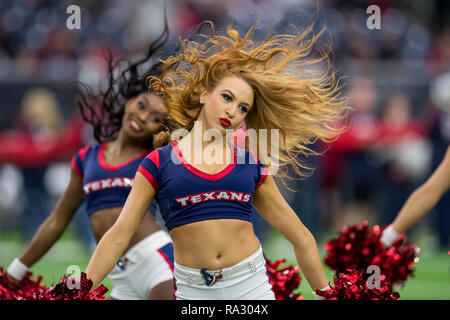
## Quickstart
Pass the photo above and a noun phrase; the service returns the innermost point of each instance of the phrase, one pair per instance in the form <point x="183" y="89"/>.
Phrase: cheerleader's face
<point x="227" y="105"/>
<point x="143" y="116"/>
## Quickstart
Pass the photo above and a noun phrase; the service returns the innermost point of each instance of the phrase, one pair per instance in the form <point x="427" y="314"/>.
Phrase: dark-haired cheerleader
<point x="125" y="119"/>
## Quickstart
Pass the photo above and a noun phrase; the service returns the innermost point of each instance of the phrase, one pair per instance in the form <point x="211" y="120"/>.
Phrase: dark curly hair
<point x="105" y="110"/>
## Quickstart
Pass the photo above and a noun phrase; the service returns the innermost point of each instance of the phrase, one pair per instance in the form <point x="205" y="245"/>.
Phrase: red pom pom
<point x="358" y="247"/>
<point x="283" y="281"/>
<point x="352" y="285"/>
<point x="26" y="289"/>
<point x="68" y="289"/>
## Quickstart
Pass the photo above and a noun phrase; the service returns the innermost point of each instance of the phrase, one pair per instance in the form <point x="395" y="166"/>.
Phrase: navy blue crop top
<point x="186" y="194"/>
<point x="105" y="186"/>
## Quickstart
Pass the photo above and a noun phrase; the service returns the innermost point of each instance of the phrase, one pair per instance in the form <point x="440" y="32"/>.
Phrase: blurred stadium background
<point x="397" y="78"/>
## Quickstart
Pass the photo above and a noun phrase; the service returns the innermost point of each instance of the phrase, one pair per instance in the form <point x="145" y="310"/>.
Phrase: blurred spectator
<point x="39" y="139"/>
<point x="39" y="136"/>
<point x="41" y="122"/>
<point x="402" y="151"/>
<point x="349" y="175"/>
<point x="439" y="55"/>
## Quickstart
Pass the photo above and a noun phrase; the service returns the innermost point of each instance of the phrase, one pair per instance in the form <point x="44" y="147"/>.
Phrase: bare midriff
<point x="103" y="220"/>
<point x="213" y="244"/>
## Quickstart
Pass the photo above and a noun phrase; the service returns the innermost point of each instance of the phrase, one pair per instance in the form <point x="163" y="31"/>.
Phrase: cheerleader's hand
<point x="320" y="297"/>
<point x="16" y="271"/>
<point x="389" y="236"/>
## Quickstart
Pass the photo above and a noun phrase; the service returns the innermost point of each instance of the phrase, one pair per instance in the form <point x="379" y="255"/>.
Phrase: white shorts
<point x="247" y="280"/>
<point x="148" y="263"/>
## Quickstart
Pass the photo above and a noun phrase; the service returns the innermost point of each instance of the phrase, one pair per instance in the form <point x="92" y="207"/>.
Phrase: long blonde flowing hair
<point x="290" y="95"/>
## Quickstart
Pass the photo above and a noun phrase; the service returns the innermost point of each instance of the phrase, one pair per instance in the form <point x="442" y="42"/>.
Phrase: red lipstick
<point x="225" y="122"/>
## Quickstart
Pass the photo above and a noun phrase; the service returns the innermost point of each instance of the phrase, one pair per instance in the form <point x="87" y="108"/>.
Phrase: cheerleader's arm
<point x="420" y="202"/>
<point x="269" y="202"/>
<point x="50" y="230"/>
<point x="114" y="242"/>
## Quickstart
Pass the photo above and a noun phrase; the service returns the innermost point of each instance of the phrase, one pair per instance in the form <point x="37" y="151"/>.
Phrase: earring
<point x="201" y="102"/>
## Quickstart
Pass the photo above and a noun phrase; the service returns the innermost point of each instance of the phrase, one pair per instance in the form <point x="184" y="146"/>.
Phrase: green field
<point x="431" y="276"/>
